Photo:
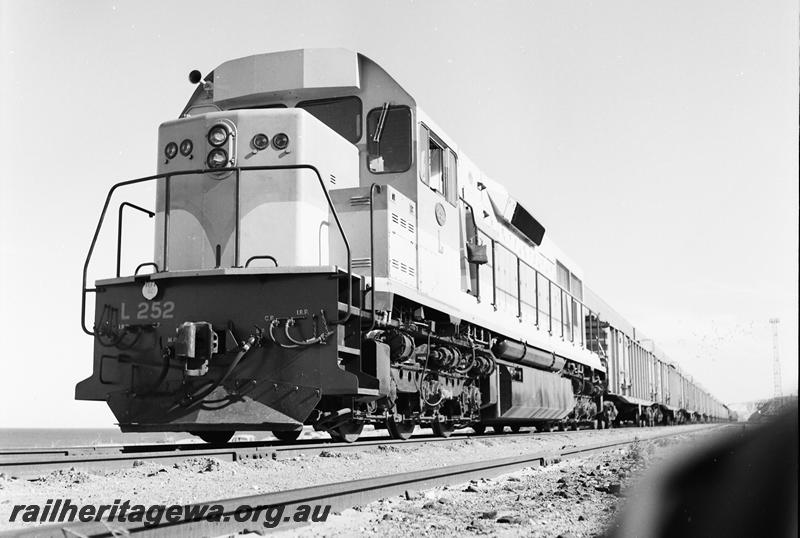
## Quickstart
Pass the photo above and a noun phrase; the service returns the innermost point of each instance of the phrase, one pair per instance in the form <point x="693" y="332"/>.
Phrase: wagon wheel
<point x="515" y="428"/>
<point x="287" y="435"/>
<point x="442" y="429"/>
<point x="347" y="432"/>
<point x="499" y="428"/>
<point x="401" y="429"/>
<point x="215" y="437"/>
<point x="479" y="429"/>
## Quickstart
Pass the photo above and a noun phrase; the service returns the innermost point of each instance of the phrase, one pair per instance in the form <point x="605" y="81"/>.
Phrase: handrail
<point x="146" y="264"/>
<point x="372" y="189"/>
<point x="122" y="206"/>
<point x="237" y="170"/>
<point x="561" y="290"/>
<point x="529" y="266"/>
<point x="261" y="257"/>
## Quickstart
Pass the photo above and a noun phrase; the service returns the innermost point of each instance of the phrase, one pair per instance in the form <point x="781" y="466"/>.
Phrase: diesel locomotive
<point x="325" y="255"/>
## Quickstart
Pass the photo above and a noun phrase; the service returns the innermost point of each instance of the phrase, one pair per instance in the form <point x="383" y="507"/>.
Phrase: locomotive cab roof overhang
<point x="301" y="72"/>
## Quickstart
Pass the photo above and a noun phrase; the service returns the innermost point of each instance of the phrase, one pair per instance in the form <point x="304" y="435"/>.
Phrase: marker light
<point x="260" y="141"/>
<point x="186" y="147"/>
<point x="218" y="135"/>
<point x="217" y="158"/>
<point x="280" y="141"/>
<point x="170" y="150"/>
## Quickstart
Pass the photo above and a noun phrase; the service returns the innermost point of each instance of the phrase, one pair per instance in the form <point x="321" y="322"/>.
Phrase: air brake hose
<point x="309" y="342"/>
<point x="198" y="397"/>
<point x="274" y="323"/>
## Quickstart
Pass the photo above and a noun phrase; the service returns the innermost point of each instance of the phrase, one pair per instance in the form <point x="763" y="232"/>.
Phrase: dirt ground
<point x="526" y="499"/>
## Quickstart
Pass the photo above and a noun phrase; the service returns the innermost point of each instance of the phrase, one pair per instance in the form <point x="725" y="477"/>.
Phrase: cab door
<point x="438" y="262"/>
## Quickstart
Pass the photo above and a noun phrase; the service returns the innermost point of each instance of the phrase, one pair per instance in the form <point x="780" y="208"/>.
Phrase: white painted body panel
<point x="282" y="213"/>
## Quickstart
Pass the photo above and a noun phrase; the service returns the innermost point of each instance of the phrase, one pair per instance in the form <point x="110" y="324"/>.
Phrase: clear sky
<point x="657" y="142"/>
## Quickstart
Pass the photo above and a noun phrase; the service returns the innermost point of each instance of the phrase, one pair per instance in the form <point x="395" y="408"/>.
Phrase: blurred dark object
<point x="743" y="486"/>
<point x="772" y="408"/>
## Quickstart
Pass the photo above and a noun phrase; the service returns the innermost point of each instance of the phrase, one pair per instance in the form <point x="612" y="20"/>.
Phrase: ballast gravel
<point x="570" y="499"/>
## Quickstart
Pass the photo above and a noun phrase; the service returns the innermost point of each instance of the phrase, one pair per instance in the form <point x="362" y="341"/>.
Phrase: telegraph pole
<point x="776" y="363"/>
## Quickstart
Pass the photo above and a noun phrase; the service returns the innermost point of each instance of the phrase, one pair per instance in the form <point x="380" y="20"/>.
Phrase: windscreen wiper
<point x="381" y="121"/>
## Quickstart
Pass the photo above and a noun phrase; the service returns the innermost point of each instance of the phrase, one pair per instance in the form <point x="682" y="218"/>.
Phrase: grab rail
<point x="122" y="206"/>
<point x="262" y="257"/>
<point x="237" y="171"/>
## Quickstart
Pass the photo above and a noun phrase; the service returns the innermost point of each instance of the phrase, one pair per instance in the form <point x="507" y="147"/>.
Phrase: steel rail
<point x="27" y="463"/>
<point x="30" y="463"/>
<point x="339" y="496"/>
<point x="37" y="462"/>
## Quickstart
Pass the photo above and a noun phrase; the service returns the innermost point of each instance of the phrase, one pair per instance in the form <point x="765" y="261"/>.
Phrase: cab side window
<point x="438" y="165"/>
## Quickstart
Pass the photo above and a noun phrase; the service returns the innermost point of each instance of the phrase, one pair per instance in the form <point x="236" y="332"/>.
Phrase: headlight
<point x="280" y="141"/>
<point x="260" y="141"/>
<point x="217" y="158"/>
<point x="186" y="147"/>
<point x="218" y="135"/>
<point x="170" y="150"/>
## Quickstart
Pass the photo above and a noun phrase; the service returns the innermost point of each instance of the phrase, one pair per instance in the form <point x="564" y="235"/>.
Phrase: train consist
<point x="325" y="255"/>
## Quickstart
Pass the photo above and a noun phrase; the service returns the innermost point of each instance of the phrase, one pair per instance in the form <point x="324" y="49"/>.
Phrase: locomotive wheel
<point x="215" y="437"/>
<point x="287" y="435"/>
<point x="499" y="429"/>
<point x="515" y="428"/>
<point x="479" y="429"/>
<point x="442" y="429"/>
<point x="400" y="430"/>
<point x="348" y="432"/>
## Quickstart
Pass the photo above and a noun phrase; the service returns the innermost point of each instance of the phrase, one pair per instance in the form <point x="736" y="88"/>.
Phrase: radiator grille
<point x="359" y="200"/>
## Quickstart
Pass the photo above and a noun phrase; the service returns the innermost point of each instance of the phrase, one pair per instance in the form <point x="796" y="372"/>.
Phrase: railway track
<point x="344" y="494"/>
<point x="34" y="462"/>
<point x="26" y="463"/>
